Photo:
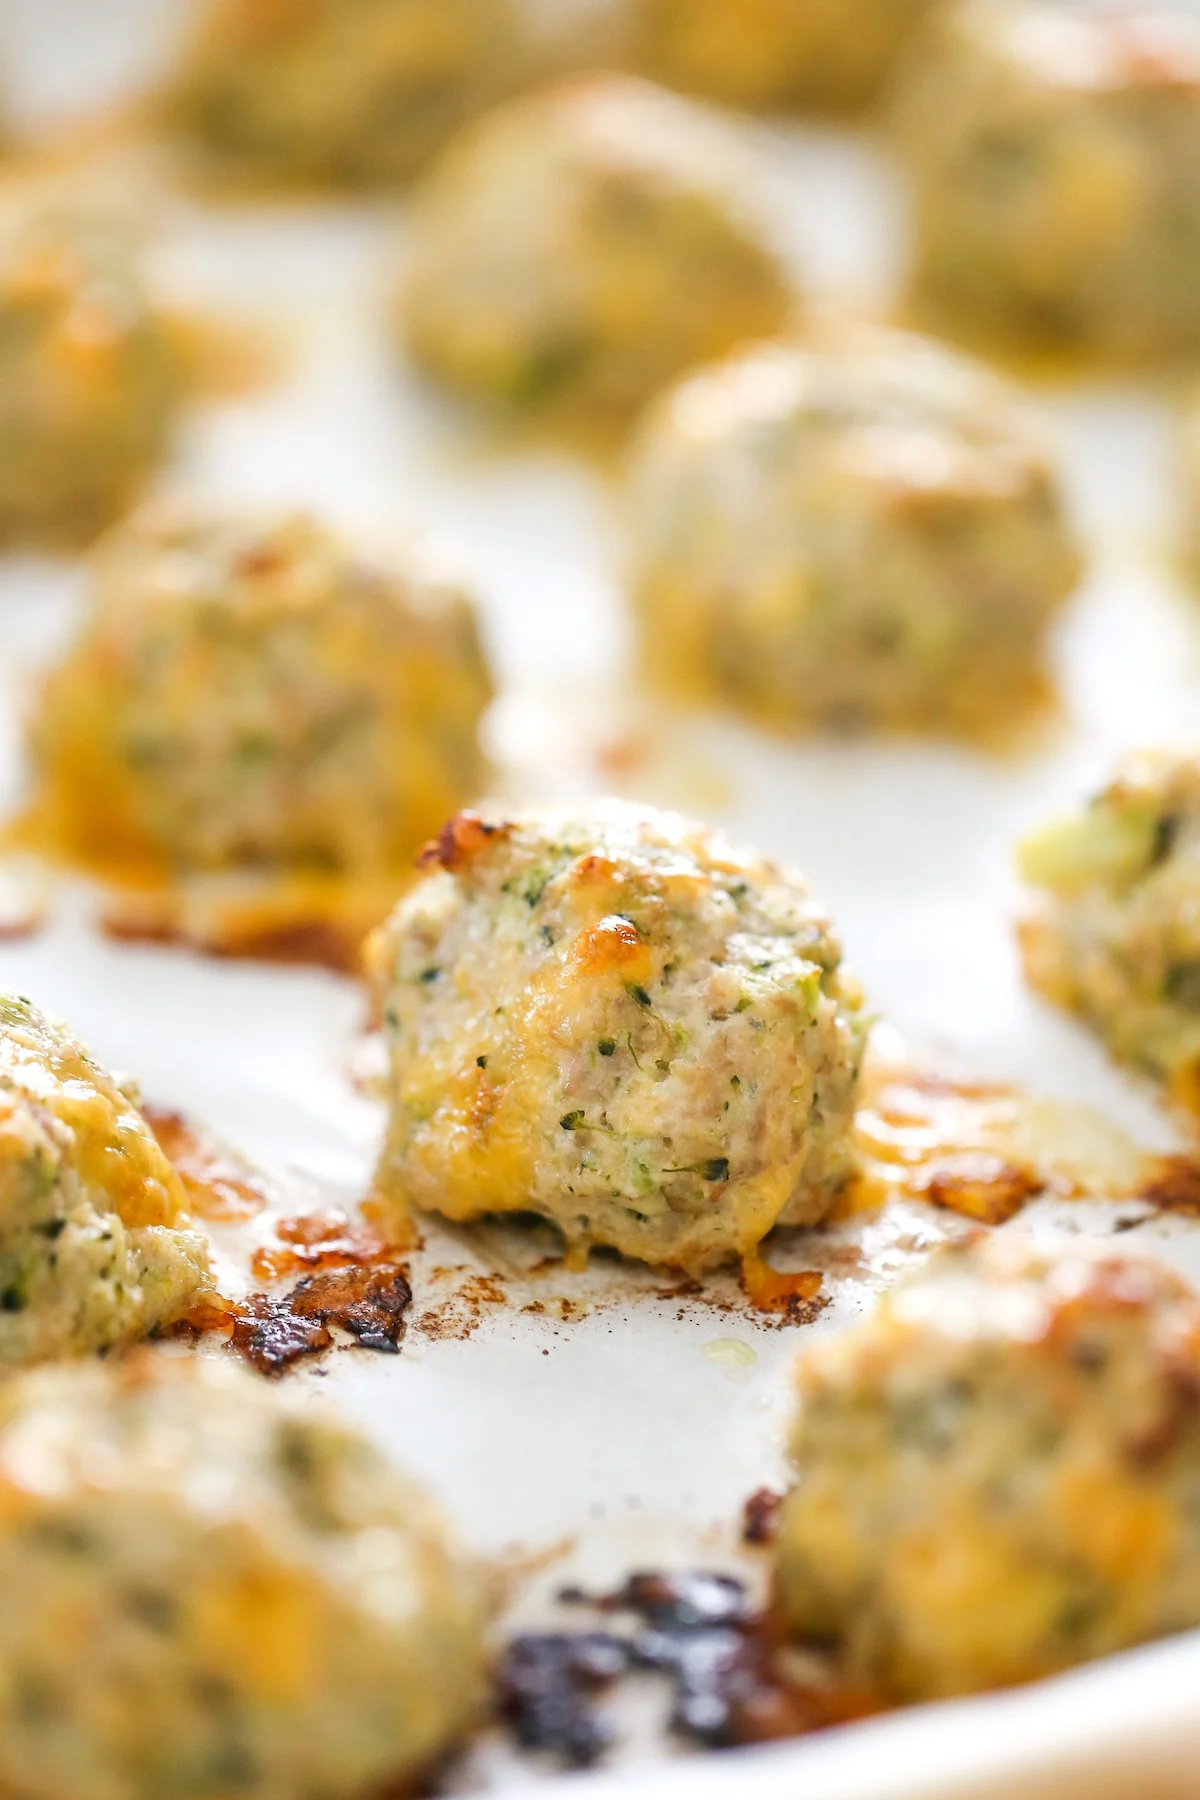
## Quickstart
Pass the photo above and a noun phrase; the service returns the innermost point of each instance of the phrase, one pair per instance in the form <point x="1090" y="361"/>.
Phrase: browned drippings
<point x="324" y="1240"/>
<point x="317" y="942"/>
<point x="368" y="1302"/>
<point x="760" y="1516"/>
<point x="219" y="1188"/>
<point x="796" y="1294"/>
<point x="1174" y="1185"/>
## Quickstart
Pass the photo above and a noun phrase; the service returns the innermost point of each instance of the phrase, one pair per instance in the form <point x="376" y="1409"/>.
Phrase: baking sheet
<point x="626" y="1433"/>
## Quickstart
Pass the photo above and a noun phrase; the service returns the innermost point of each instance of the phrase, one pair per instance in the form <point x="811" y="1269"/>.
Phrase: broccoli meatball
<point x="823" y="53"/>
<point x="350" y="92"/>
<point x="997" y="1472"/>
<point x="95" y="1248"/>
<point x="91" y="375"/>
<point x="255" y="693"/>
<point x="1054" y="151"/>
<point x="579" y="247"/>
<point x="861" y="531"/>
<point x="211" y="1588"/>
<point x="617" y="1020"/>
<point x="1116" y="936"/>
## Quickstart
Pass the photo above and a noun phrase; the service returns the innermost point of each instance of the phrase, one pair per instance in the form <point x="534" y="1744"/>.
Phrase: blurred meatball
<point x="255" y="693"/>
<point x="823" y="53"/>
<point x="344" y="91"/>
<point x="214" y="1588"/>
<point x="996" y="1472"/>
<point x="617" y="1020"/>
<point x="1054" y="151"/>
<point x="1116" y="936"/>
<point x="579" y="247"/>
<point x="866" y="532"/>
<point x="95" y="1248"/>
<point x="90" y="375"/>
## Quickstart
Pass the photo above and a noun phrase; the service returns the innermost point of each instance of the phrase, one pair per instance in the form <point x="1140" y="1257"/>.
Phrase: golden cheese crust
<point x="213" y="1587"/>
<point x="996" y="1471"/>
<point x="862" y="531"/>
<point x="1115" y="934"/>
<point x="91" y="375"/>
<point x="617" y="1020"/>
<point x="256" y="695"/>
<point x="349" y="92"/>
<point x="821" y="53"/>
<point x="95" y="1245"/>
<point x="1054" y="151"/>
<point x="579" y="246"/>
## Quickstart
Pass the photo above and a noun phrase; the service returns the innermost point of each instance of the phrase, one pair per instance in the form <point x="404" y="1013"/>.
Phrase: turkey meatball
<point x="212" y="1587"/>
<point x="1054" y="151"/>
<point x="1116" y="935"/>
<point x="256" y="694"/>
<point x="343" y="91"/>
<point x="865" y="531"/>
<point x="823" y="53"/>
<point x="578" y="247"/>
<point x="90" y="375"/>
<point x="996" y="1473"/>
<point x="95" y="1245"/>
<point x="617" y="1020"/>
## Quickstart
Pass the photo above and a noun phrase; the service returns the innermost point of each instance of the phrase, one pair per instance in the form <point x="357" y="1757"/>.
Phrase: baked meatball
<point x="254" y="693"/>
<point x="823" y="53"/>
<point x="997" y="1472"/>
<point x="95" y="1248"/>
<point x="91" y="375"/>
<point x="862" y="531"/>
<point x="339" y="91"/>
<point x="212" y="1587"/>
<point x="617" y="1020"/>
<point x="1116" y="936"/>
<point x="580" y="246"/>
<point x="1054" y="151"/>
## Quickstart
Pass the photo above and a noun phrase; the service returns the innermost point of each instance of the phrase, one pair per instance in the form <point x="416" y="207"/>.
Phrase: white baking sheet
<point x="628" y="1435"/>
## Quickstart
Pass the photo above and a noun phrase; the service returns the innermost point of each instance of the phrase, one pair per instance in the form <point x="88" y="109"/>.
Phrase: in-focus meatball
<point x="255" y="693"/>
<point x="95" y="1248"/>
<point x="1054" y="150"/>
<point x="865" y="531"/>
<point x="344" y="91"/>
<point x="214" y="1588"/>
<point x="617" y="1020"/>
<point x="1116" y="936"/>
<point x="823" y="53"/>
<point x="90" y="375"/>
<point x="997" y="1472"/>
<point x="579" y="247"/>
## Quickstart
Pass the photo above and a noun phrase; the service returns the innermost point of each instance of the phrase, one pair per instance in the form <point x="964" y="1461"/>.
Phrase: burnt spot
<point x="760" y="1516"/>
<point x="368" y="1302"/>
<point x="979" y="1185"/>
<point x="459" y="841"/>
<point x="1174" y="1185"/>
<point x="548" y="1684"/>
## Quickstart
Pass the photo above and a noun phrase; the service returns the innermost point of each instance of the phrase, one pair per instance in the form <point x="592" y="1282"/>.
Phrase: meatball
<point x="1116" y="936"/>
<point x="823" y="53"/>
<point x="997" y="1471"/>
<point x="211" y="1587"/>
<point x="95" y="1248"/>
<point x="339" y="91"/>
<point x="91" y="375"/>
<point x="862" y="531"/>
<point x="615" y="1019"/>
<point x="1054" y="151"/>
<point x="577" y="248"/>
<point x="255" y="693"/>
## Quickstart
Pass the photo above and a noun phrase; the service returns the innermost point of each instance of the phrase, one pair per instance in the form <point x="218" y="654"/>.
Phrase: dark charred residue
<point x="760" y="1516"/>
<point x="548" y="1685"/>
<point x="729" y="1676"/>
<point x="368" y="1302"/>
